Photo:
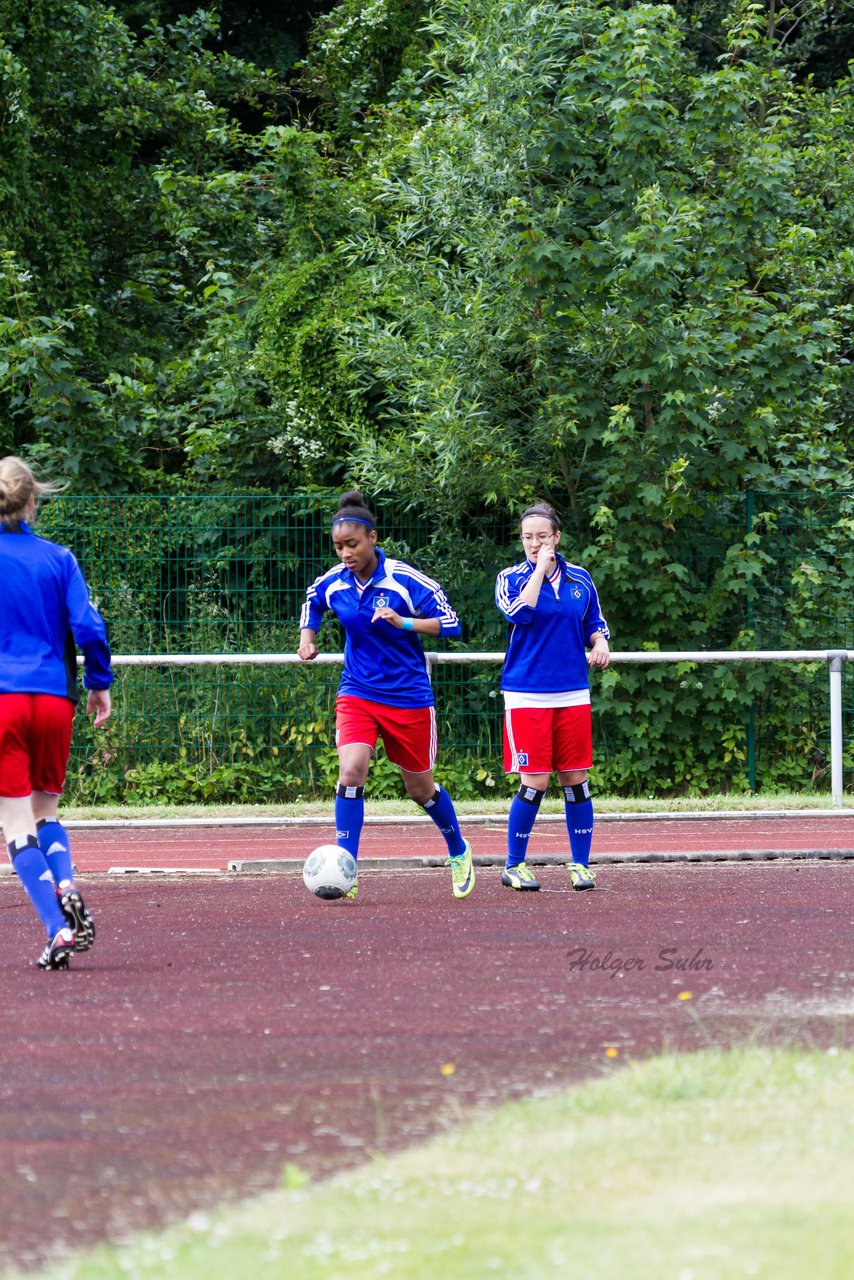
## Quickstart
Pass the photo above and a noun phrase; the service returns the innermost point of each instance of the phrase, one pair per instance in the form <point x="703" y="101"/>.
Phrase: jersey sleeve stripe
<point x="502" y="595"/>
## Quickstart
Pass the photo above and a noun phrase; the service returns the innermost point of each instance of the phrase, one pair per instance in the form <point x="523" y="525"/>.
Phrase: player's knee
<point x="539" y="781"/>
<point x="420" y="791"/>
<point x="573" y="777"/>
<point x="352" y="775"/>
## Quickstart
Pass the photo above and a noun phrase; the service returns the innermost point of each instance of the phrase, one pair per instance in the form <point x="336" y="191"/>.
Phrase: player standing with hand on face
<point x="383" y="606"/>
<point x="44" y="609"/>
<point x="554" y="616"/>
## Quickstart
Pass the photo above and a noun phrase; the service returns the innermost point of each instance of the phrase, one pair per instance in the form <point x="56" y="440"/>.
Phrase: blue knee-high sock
<point x="349" y="817"/>
<point x="579" y="821"/>
<point x="441" y="810"/>
<point x="35" y="875"/>
<point x="520" y="823"/>
<point x="56" y="847"/>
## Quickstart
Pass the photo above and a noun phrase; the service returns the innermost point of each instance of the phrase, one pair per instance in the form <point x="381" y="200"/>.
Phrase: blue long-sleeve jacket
<point x="547" y="645"/>
<point x="381" y="663"/>
<point x="44" y="611"/>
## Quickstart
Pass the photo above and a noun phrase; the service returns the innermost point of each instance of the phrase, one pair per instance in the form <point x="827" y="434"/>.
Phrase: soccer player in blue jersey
<point x="44" y="610"/>
<point x="383" y="606"/>
<point x="556" y="630"/>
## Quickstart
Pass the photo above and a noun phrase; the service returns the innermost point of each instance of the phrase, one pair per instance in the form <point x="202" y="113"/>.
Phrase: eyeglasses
<point x="536" y="537"/>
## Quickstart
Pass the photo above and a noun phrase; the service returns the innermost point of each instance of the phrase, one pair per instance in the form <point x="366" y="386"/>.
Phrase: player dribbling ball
<point x="384" y="605"/>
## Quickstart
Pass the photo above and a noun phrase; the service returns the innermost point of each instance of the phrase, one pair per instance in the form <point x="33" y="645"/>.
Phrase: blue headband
<point x="352" y="520"/>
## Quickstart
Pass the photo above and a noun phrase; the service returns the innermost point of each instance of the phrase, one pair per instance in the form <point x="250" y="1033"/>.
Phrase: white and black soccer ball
<point x="330" y="871"/>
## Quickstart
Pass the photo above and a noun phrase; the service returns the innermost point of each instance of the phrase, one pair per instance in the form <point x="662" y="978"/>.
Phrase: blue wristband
<point x="407" y="624"/>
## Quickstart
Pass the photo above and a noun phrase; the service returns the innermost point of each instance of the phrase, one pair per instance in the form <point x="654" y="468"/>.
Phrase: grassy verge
<point x="699" y="1167"/>
<point x="394" y="808"/>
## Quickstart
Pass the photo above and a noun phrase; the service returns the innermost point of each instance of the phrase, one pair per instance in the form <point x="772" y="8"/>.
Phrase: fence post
<point x="835" y="659"/>
<point x="751" y="715"/>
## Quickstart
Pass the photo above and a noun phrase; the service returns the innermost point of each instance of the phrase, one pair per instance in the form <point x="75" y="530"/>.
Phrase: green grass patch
<point x="698" y="1167"/>
<point x="405" y="808"/>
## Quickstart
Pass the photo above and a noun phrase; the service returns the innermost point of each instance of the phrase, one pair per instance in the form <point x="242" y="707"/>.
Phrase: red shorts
<point x="408" y="733"/>
<point x="547" y="739"/>
<point x="35" y="736"/>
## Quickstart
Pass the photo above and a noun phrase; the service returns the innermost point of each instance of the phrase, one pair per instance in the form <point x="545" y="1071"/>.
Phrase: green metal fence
<point x="228" y="573"/>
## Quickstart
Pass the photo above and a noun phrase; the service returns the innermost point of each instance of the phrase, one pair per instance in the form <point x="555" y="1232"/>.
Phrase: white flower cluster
<point x="300" y="434"/>
<point x="372" y="16"/>
<point x="14" y="108"/>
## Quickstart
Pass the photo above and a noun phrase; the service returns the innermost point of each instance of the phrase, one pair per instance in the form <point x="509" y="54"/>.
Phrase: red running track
<point x="215" y="846"/>
<point x="224" y="1026"/>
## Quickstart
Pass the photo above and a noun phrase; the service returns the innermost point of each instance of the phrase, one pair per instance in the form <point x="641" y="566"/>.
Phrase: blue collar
<point x="23" y="527"/>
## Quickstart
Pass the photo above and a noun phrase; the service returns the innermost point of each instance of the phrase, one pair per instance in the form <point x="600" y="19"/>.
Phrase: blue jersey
<point x="381" y="663"/>
<point x="547" y="646"/>
<point x="44" y="609"/>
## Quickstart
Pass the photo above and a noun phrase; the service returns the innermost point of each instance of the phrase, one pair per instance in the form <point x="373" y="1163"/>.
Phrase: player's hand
<point x="99" y="704"/>
<point x="307" y="651"/>
<point x="600" y="655"/>
<point x="387" y="615"/>
<point x="546" y="559"/>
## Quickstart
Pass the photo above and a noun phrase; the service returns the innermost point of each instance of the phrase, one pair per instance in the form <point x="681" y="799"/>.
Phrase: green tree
<point x="134" y="214"/>
<point x="582" y="265"/>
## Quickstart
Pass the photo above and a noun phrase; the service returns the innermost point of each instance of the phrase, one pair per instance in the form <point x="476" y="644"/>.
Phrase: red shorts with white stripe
<point x="548" y="739"/>
<point x="35" y="737"/>
<point x="408" y="733"/>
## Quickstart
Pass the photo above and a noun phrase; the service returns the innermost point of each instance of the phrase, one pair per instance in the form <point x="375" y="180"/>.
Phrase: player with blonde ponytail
<point x="44" y="611"/>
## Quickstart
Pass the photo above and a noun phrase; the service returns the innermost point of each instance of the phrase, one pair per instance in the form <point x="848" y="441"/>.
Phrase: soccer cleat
<point x="519" y="877"/>
<point x="57" y="951"/>
<point x="462" y="873"/>
<point x="582" y="877"/>
<point x="354" y="892"/>
<point x="79" y="919"/>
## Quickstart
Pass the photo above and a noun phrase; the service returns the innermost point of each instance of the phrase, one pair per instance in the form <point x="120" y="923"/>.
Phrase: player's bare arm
<point x="307" y="648"/>
<point x="600" y="652"/>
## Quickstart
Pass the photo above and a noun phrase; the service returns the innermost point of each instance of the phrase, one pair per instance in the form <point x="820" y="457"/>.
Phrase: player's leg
<point x="53" y="720"/>
<point x="574" y="752"/>
<point x="410" y="740"/>
<point x="353" y="763"/>
<point x="53" y="837"/>
<point x="28" y="863"/>
<point x="56" y="847"/>
<point x="355" y="737"/>
<point x="527" y="735"/>
<point x="19" y="827"/>
<point x="438" y="805"/>
<point x="50" y="743"/>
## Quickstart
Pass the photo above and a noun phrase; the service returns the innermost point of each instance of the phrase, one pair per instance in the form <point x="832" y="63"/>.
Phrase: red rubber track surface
<point x="222" y="1027"/>
<point x="187" y="847"/>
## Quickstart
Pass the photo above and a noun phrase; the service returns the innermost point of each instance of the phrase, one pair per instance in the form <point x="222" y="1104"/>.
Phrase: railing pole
<point x="835" y="660"/>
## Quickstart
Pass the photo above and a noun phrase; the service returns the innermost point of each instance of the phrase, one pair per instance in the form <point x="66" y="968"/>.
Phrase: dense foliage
<point x="462" y="253"/>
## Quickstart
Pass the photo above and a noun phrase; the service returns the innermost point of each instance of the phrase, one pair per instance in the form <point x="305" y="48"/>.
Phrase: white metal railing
<point x="834" y="658"/>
